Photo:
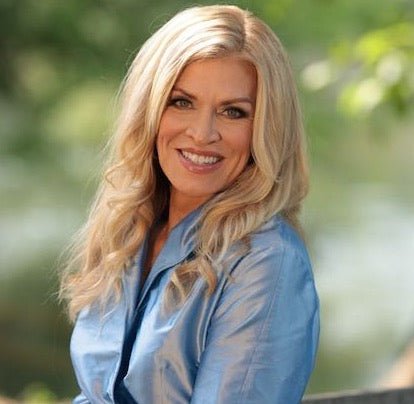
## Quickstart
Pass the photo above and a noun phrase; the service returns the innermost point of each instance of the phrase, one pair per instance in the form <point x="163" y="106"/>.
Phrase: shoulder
<point x="274" y="272"/>
<point x="274" y="248"/>
<point x="277" y="236"/>
<point x="272" y="280"/>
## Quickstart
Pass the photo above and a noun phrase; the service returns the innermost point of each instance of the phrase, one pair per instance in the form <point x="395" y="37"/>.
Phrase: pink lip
<point x="197" y="168"/>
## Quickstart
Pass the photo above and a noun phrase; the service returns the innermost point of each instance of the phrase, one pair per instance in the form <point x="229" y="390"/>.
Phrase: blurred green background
<point x="61" y="63"/>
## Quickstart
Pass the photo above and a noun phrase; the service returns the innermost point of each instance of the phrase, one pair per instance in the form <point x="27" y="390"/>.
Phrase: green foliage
<point x="372" y="70"/>
<point x="62" y="64"/>
<point x="38" y="393"/>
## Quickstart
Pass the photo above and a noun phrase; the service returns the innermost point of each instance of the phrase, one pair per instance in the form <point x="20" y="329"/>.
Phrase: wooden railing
<point x="398" y="396"/>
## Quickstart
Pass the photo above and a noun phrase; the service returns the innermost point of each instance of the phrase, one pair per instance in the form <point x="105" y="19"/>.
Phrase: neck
<point x="180" y="206"/>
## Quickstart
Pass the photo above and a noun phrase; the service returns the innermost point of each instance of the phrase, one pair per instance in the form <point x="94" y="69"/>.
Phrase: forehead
<point x="230" y="75"/>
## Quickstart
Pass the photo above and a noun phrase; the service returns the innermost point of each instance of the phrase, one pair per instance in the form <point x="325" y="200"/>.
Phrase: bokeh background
<point x="61" y="63"/>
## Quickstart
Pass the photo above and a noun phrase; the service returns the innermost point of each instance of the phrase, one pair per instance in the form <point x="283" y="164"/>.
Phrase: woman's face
<point x="205" y="132"/>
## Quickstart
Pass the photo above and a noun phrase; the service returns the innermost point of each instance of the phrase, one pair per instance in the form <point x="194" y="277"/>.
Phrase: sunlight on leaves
<point x="361" y="97"/>
<point x="378" y="70"/>
<point x="318" y="75"/>
<point x="38" y="393"/>
<point x="376" y="44"/>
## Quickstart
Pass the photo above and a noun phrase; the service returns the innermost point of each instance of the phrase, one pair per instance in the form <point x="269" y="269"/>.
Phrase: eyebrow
<point x="226" y="102"/>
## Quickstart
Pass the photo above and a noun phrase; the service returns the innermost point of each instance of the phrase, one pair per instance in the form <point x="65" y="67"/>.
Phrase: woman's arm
<point x="262" y="340"/>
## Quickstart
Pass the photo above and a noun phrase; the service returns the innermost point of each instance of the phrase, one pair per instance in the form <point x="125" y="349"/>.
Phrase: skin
<point x="209" y="114"/>
<point x="204" y="136"/>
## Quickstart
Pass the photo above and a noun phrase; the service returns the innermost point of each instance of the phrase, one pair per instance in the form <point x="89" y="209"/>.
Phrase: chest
<point x="166" y="342"/>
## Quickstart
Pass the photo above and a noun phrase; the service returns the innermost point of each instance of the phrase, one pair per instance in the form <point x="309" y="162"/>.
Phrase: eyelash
<point x="177" y="103"/>
<point x="240" y="113"/>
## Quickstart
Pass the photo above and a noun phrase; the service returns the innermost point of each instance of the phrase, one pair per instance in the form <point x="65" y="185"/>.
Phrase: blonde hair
<point x="134" y="190"/>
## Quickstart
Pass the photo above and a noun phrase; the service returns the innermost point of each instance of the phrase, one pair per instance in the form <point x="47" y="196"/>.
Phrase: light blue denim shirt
<point x="253" y="340"/>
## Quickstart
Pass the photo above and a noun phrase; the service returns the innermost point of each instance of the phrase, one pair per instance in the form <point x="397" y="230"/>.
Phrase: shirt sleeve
<point x="262" y="340"/>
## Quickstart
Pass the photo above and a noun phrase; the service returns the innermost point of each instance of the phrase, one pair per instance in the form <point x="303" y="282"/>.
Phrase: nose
<point x="203" y="128"/>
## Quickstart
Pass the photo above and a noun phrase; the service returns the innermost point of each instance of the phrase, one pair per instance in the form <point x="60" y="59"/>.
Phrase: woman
<point x="191" y="283"/>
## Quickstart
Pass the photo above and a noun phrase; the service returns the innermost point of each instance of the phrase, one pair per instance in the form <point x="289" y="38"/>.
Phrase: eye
<point x="180" y="102"/>
<point x="234" y="113"/>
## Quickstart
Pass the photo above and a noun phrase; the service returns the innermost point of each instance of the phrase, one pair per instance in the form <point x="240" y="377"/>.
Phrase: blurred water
<point x="365" y="276"/>
<point x="363" y="262"/>
<point x="364" y="266"/>
<point x="27" y="236"/>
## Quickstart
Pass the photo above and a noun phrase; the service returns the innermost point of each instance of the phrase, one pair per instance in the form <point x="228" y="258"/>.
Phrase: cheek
<point x="161" y="133"/>
<point x="242" y="143"/>
<point x="164" y="135"/>
<point x="169" y="126"/>
<point x="164" y="143"/>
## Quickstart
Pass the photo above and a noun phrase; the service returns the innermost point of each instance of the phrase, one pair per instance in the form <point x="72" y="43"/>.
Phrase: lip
<point x="206" y="153"/>
<point x="198" y="168"/>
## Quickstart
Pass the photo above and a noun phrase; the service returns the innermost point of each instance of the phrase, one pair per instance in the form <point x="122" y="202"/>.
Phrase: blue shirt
<point x="253" y="340"/>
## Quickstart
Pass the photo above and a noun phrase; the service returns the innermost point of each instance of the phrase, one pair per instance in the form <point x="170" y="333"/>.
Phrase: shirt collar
<point x="180" y="243"/>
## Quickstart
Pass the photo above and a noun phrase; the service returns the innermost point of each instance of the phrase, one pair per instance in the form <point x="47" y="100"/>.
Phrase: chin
<point x="198" y="192"/>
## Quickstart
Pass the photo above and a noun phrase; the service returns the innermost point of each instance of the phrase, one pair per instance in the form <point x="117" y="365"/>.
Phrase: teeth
<point x="197" y="159"/>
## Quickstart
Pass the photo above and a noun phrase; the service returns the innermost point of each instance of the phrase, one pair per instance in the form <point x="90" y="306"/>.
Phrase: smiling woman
<point x="190" y="281"/>
<point x="205" y="132"/>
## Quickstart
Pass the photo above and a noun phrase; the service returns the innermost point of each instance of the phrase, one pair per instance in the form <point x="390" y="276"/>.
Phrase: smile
<point x="199" y="159"/>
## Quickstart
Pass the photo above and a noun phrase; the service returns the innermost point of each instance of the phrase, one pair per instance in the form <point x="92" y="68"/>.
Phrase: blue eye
<point x="234" y="113"/>
<point x="180" y="102"/>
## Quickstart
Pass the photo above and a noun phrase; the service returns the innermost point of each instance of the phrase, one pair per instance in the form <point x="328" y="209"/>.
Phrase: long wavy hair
<point x="134" y="191"/>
